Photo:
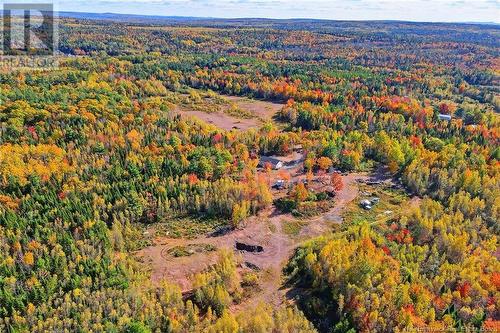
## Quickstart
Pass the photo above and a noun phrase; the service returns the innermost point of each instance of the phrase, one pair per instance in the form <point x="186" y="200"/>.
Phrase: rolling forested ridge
<point x="253" y="176"/>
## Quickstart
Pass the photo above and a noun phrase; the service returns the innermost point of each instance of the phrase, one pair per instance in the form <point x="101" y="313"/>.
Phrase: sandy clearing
<point x="264" y="229"/>
<point x="261" y="109"/>
<point x="262" y="112"/>
<point x="219" y="119"/>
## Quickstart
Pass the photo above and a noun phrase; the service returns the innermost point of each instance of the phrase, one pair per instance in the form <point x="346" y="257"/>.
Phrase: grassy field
<point x="292" y="227"/>
<point x="390" y="203"/>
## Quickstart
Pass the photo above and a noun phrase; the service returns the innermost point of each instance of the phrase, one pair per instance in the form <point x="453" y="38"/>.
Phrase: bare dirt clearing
<point x="279" y="235"/>
<point x="235" y="113"/>
<point x="265" y="230"/>
<point x="263" y="110"/>
<point x="219" y="119"/>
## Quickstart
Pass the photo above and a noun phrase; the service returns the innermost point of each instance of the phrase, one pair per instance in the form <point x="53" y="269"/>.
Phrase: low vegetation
<point x="189" y="250"/>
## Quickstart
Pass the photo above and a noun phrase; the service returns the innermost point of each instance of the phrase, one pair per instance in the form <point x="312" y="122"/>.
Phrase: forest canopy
<point x="94" y="153"/>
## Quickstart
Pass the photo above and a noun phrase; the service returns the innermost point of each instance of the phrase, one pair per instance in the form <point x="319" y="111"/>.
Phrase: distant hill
<point x="144" y="18"/>
<point x="127" y="17"/>
<point x="160" y="19"/>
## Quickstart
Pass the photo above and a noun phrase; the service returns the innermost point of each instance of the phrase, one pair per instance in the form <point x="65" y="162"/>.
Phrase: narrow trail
<point x="266" y="230"/>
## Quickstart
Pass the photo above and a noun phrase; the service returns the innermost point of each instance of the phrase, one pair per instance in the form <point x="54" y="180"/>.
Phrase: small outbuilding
<point x="366" y="204"/>
<point x="279" y="184"/>
<point x="446" y="117"/>
<point x="273" y="162"/>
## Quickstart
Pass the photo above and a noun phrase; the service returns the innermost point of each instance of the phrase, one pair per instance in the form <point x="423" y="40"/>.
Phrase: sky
<point x="407" y="10"/>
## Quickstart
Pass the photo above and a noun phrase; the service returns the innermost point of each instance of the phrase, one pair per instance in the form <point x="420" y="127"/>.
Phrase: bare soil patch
<point x="278" y="234"/>
<point x="265" y="230"/>
<point x="263" y="110"/>
<point x="237" y="113"/>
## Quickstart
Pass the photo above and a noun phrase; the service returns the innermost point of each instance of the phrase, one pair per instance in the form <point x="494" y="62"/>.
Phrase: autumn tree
<point x="337" y="182"/>
<point x="324" y="163"/>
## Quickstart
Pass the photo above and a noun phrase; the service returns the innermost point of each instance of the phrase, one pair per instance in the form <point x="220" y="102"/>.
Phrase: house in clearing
<point x="273" y="162"/>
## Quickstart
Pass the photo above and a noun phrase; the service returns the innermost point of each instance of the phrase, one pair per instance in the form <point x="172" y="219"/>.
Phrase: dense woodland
<point x="92" y="153"/>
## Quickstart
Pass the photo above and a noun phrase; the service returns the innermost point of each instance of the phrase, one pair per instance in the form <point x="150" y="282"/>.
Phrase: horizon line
<point x="69" y="13"/>
<point x="281" y="19"/>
